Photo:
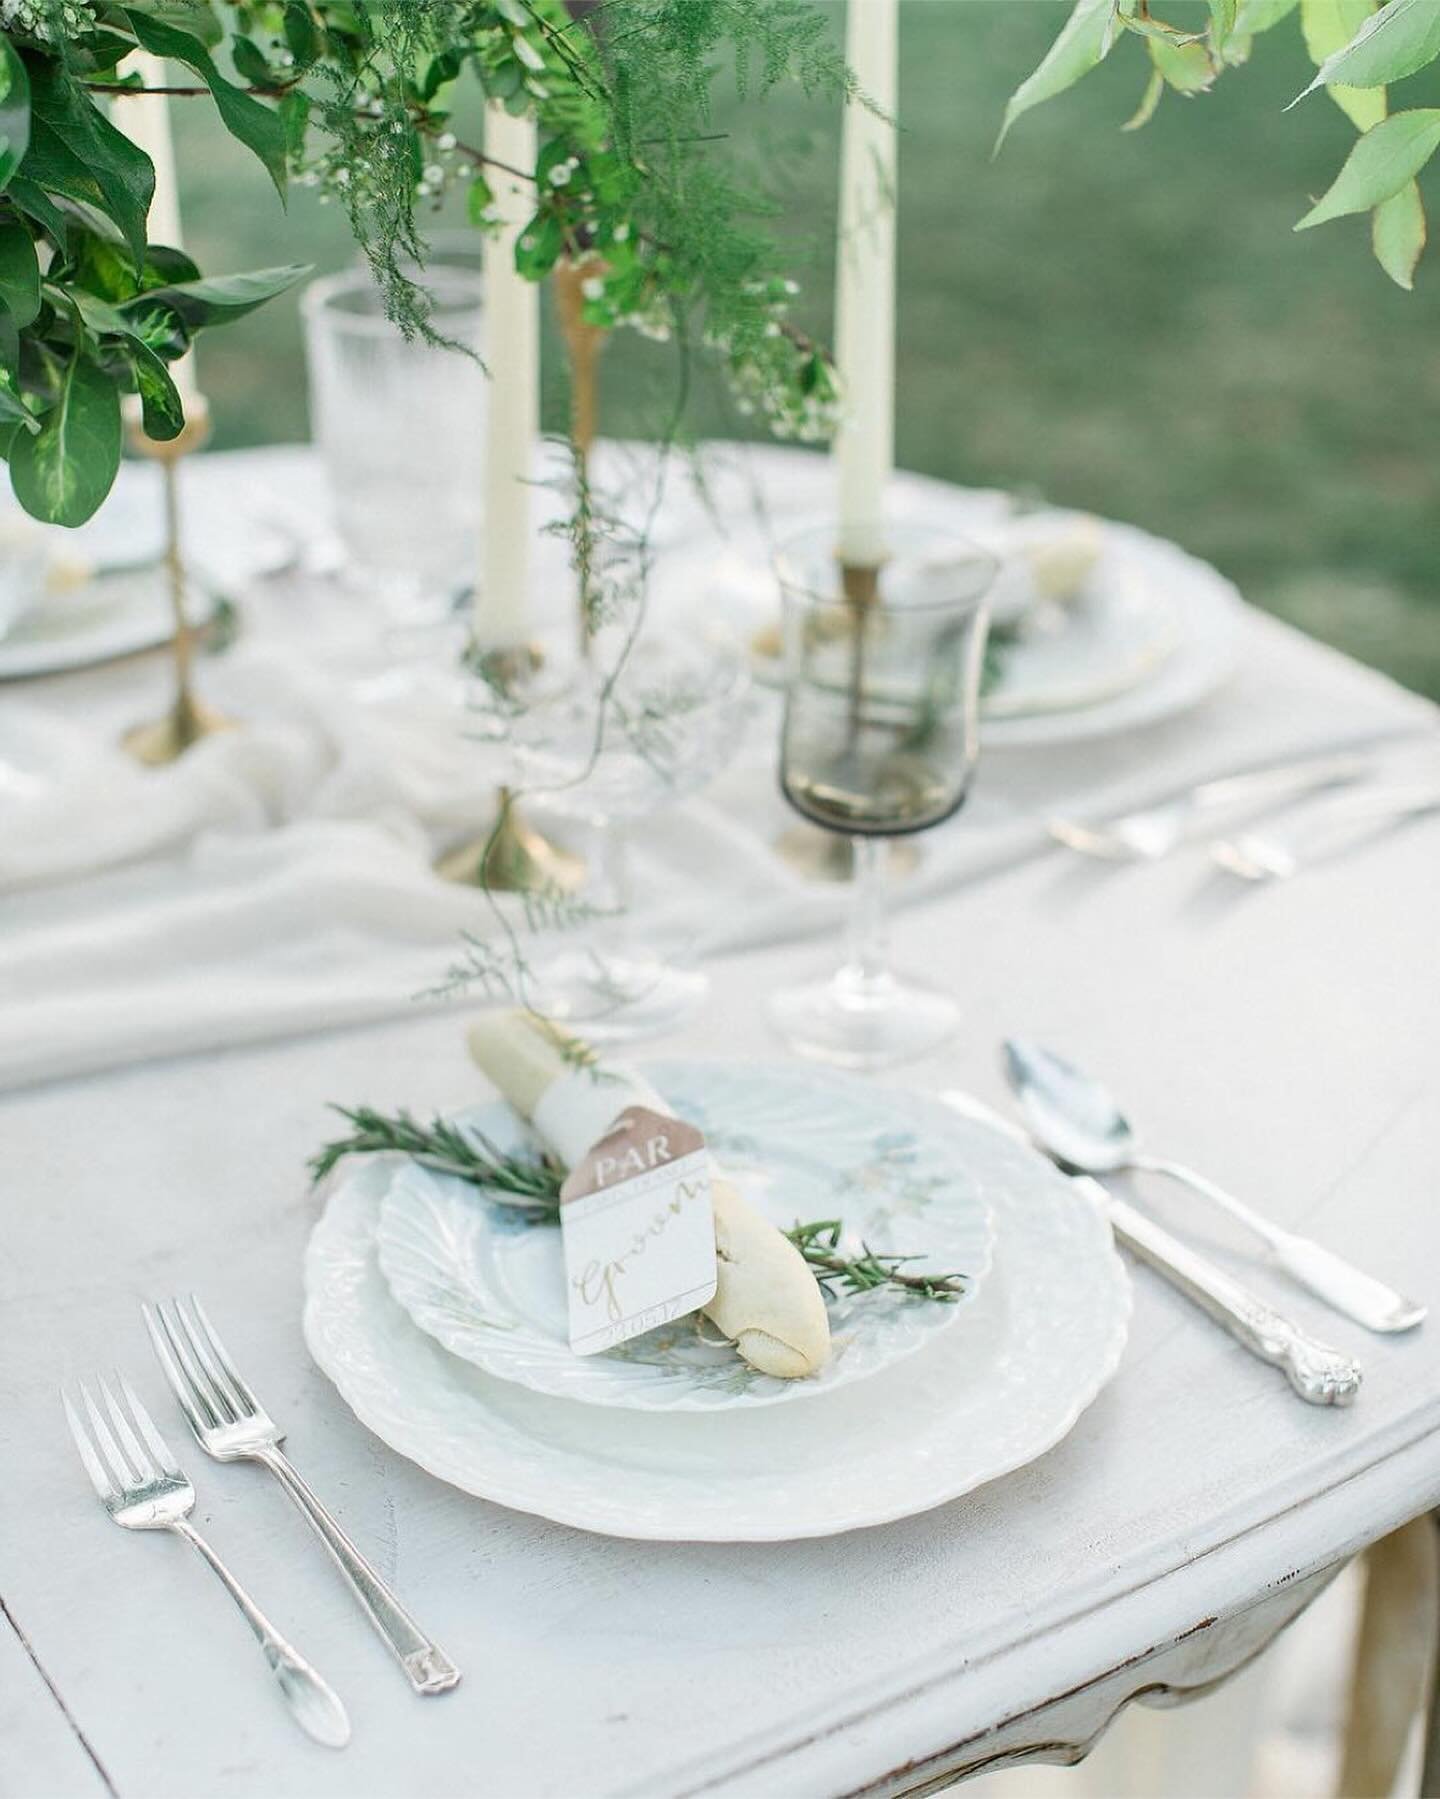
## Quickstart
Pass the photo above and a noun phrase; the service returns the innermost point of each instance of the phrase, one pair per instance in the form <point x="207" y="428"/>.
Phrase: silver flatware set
<point x="1073" y="1120"/>
<point x="1353" y="800"/>
<point x="139" y="1482"/>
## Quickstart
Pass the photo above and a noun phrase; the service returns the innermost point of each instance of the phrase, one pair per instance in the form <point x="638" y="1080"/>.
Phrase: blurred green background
<point x="1119" y="321"/>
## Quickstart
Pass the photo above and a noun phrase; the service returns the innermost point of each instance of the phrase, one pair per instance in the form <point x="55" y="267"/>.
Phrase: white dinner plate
<point x="488" y="1282"/>
<point x="124" y="607"/>
<point x="116" y="614"/>
<point x="1006" y="1384"/>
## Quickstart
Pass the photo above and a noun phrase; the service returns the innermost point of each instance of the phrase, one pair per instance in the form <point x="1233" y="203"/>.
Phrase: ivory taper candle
<point x="512" y="357"/>
<point x="145" y="120"/>
<point x="865" y="285"/>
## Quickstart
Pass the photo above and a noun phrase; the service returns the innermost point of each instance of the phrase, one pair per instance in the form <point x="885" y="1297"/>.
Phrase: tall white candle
<point x="865" y="285"/>
<point x="512" y="357"/>
<point x="145" y="120"/>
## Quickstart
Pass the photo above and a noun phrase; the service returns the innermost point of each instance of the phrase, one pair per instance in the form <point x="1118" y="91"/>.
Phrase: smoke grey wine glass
<point x="880" y="739"/>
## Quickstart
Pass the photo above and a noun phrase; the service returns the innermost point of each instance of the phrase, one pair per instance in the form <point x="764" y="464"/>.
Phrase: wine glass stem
<point x="610" y="882"/>
<point x="867" y="960"/>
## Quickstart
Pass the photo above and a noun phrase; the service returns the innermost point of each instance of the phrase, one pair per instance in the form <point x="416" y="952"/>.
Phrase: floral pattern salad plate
<point x="487" y="1280"/>
<point x="1003" y="1385"/>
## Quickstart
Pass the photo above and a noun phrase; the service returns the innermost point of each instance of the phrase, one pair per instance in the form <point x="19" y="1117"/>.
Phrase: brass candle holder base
<point x="162" y="740"/>
<point x="829" y="856"/>
<point x="513" y="857"/>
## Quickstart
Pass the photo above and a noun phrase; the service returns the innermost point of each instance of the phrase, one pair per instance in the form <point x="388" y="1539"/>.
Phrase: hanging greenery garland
<point x="356" y="96"/>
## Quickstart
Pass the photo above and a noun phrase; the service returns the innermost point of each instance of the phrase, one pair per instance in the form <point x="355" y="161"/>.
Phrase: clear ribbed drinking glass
<point x="401" y="428"/>
<point x="880" y="739"/>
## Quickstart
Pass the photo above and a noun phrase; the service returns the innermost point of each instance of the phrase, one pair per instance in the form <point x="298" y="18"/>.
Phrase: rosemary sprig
<point x="531" y="1181"/>
<point x="535" y="1182"/>
<point x="819" y="1243"/>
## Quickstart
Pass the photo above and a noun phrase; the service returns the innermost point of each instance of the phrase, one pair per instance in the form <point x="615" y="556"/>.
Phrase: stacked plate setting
<point x="440" y="1316"/>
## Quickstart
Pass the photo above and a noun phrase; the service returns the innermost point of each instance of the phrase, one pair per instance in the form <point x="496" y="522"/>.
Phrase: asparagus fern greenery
<point x="533" y="1182"/>
<point x="1359" y="47"/>
<point x="356" y="96"/>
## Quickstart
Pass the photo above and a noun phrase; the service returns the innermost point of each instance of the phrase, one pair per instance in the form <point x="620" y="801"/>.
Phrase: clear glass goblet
<point x="880" y="739"/>
<point x="400" y="427"/>
<point x="637" y="727"/>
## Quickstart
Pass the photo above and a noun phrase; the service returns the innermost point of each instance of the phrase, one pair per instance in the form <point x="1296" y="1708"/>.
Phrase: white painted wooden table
<point x="1287" y="1040"/>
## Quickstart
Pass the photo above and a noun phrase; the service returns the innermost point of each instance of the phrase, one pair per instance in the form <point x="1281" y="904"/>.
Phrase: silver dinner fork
<point x="230" y="1424"/>
<point x="140" y="1484"/>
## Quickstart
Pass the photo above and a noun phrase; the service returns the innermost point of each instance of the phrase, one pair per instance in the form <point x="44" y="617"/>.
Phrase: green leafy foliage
<point x="1397" y="232"/>
<point x="1328" y="26"/>
<point x="258" y="127"/>
<point x="1360" y="47"/>
<point x="1397" y="40"/>
<point x="357" y="98"/>
<point x="65" y="469"/>
<point x="1083" y="44"/>
<point x="14" y="111"/>
<point x="19" y="274"/>
<point x="1384" y="161"/>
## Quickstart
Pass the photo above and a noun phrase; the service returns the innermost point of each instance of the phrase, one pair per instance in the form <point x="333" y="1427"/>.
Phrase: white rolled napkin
<point x="766" y="1300"/>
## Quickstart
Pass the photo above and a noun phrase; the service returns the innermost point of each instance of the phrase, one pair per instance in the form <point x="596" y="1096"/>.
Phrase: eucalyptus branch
<point x="534" y="1183"/>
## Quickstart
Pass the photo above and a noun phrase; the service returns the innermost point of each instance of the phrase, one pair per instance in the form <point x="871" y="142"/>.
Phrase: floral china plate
<point x="488" y="1282"/>
<point x="1005" y="1385"/>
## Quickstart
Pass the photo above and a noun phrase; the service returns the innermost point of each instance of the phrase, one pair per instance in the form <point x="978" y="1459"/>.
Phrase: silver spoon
<point x="1078" y="1122"/>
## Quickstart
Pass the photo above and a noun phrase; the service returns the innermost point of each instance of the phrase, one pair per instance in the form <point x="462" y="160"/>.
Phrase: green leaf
<point x="478" y="198"/>
<point x="294" y="112"/>
<point x="301" y="36"/>
<point x="1149" y="100"/>
<point x="538" y="247"/>
<point x="258" y="127"/>
<point x="13" y="411"/>
<point x="65" y="470"/>
<point x="1255" y="16"/>
<point x="1381" y="163"/>
<point x="1083" y="43"/>
<point x="19" y="273"/>
<point x="1392" y="43"/>
<point x="77" y="153"/>
<point x="1223" y="14"/>
<point x="250" y="62"/>
<point x="195" y="16"/>
<point x="35" y="203"/>
<point x="1328" y="25"/>
<point x="218" y="299"/>
<point x="1157" y="28"/>
<point x="163" y="414"/>
<point x="164" y="266"/>
<point x="1397" y="232"/>
<point x="14" y="111"/>
<point x="1188" y="68"/>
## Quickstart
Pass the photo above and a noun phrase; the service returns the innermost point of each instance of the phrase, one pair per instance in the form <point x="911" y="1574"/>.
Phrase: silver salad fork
<point x="230" y="1424"/>
<point x="140" y="1484"/>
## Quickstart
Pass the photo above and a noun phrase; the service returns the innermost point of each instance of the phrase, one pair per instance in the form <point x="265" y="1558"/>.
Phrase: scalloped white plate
<point x="1043" y="1337"/>
<point x="801" y="1144"/>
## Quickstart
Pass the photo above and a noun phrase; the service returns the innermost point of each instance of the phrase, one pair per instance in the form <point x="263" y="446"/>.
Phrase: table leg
<point x="1394" y="1653"/>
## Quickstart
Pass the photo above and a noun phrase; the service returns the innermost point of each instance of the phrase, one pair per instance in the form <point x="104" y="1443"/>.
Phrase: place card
<point x="638" y="1230"/>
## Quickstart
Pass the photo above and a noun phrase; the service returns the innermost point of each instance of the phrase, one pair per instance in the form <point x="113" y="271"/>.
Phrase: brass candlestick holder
<point x="162" y="740"/>
<point x="512" y="856"/>
<point x="583" y="344"/>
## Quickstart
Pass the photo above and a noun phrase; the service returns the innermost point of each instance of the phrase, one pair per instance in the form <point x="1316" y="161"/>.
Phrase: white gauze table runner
<point x="277" y="879"/>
